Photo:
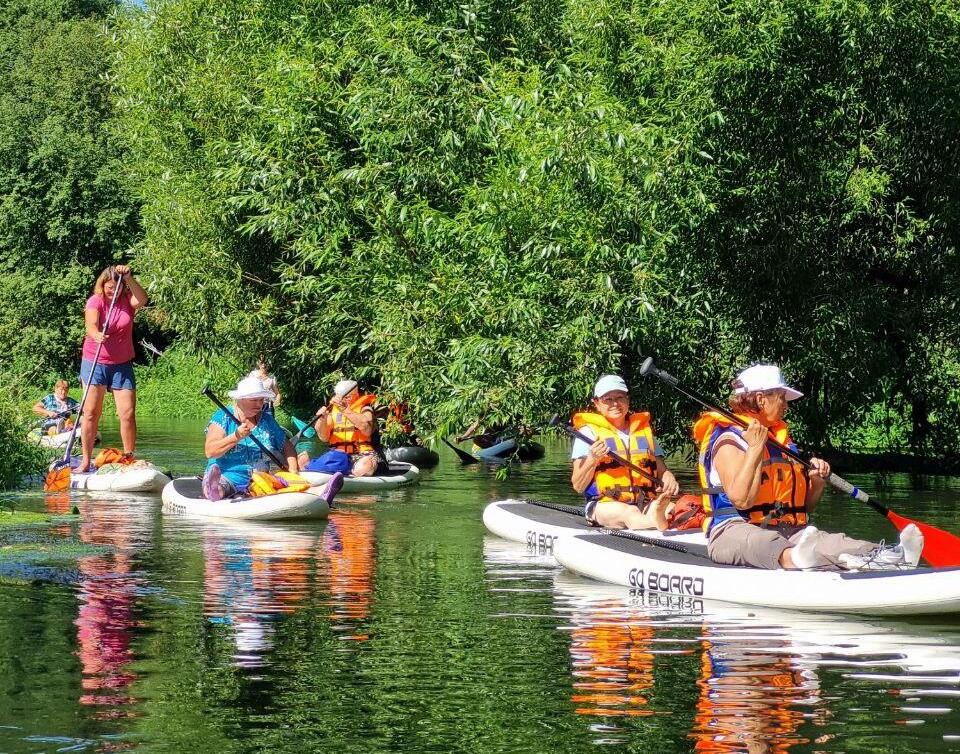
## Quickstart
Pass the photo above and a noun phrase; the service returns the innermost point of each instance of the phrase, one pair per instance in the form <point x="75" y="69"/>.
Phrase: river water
<point x="400" y="625"/>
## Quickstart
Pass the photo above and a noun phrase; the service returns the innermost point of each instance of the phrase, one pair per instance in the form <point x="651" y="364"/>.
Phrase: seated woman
<point x="56" y="408"/>
<point x="617" y="496"/>
<point x="349" y="425"/>
<point x="760" y="500"/>
<point x="233" y="455"/>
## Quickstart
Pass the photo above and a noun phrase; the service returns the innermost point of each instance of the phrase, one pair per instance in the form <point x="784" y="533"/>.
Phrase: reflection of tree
<point x="749" y="699"/>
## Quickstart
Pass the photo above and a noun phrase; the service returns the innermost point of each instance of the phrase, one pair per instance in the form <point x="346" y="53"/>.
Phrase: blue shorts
<point x="113" y="376"/>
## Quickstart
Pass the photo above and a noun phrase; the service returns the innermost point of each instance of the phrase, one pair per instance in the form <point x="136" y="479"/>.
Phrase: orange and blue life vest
<point x="344" y="436"/>
<point x="611" y="481"/>
<point x="782" y="494"/>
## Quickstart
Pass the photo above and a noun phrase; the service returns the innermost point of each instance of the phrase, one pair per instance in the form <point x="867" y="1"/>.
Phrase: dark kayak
<point x="418" y="455"/>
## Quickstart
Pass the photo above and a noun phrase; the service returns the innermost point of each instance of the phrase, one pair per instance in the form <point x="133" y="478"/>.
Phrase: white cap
<point x="761" y="377"/>
<point x="342" y="389"/>
<point x="609" y="383"/>
<point x="251" y="387"/>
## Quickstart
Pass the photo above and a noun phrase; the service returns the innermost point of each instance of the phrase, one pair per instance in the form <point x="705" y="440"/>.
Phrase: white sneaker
<point x="881" y="558"/>
<point x="911" y="542"/>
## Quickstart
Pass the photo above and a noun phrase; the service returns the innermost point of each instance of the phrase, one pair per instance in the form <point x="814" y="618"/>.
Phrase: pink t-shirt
<point x="118" y="347"/>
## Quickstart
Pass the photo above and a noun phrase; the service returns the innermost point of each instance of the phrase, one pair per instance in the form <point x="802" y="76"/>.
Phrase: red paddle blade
<point x="57" y="480"/>
<point x="940" y="548"/>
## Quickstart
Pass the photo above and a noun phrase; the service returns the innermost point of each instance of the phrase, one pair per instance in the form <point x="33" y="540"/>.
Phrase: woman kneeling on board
<point x="760" y="500"/>
<point x="233" y="455"/>
<point x="617" y="496"/>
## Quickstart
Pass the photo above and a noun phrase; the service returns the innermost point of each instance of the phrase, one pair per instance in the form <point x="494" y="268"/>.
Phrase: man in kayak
<point x="618" y="497"/>
<point x="232" y="454"/>
<point x="760" y="500"/>
<point x="348" y="424"/>
<point x="56" y="408"/>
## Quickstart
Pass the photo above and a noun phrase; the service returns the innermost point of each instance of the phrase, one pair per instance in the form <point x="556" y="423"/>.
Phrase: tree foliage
<point x="63" y="209"/>
<point x="478" y="208"/>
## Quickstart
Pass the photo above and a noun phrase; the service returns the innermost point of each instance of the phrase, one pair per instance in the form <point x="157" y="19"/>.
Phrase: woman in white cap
<point x="348" y="425"/>
<point x="617" y="496"/>
<point x="760" y="500"/>
<point x="232" y="454"/>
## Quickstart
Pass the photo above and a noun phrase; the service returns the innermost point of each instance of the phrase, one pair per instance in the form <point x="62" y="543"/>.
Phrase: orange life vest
<point x="613" y="482"/>
<point x="344" y="436"/>
<point x="112" y="455"/>
<point x="782" y="494"/>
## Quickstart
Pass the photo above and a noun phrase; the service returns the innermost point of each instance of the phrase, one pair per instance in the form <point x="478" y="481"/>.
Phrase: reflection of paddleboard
<point x="638" y="564"/>
<point x="185" y="496"/>
<point x="827" y="639"/>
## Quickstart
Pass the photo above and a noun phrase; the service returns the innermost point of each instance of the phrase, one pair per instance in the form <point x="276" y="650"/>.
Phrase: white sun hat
<point x="343" y="388"/>
<point x="762" y="377"/>
<point x="251" y="387"/>
<point x="608" y="383"/>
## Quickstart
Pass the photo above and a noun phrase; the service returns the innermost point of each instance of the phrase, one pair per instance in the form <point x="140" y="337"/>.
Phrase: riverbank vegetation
<point x="478" y="208"/>
<point x="18" y="456"/>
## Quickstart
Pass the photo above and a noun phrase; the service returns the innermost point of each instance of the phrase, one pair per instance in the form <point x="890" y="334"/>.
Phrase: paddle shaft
<point x="209" y="393"/>
<point x="464" y="456"/>
<point x="118" y="285"/>
<point x="835" y="481"/>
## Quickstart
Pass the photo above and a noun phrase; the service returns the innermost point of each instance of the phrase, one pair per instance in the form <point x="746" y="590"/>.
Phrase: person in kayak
<point x="114" y="370"/>
<point x="348" y="424"/>
<point x="56" y="408"/>
<point x="490" y="435"/>
<point x="232" y="454"/>
<point x="759" y="500"/>
<point x="618" y="497"/>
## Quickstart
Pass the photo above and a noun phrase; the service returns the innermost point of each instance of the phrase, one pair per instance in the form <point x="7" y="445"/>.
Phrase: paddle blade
<point x="58" y="479"/>
<point x="303" y="428"/>
<point x="464" y="456"/>
<point x="940" y="548"/>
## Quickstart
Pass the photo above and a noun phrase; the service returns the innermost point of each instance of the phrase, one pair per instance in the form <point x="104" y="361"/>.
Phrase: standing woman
<point x="114" y="371"/>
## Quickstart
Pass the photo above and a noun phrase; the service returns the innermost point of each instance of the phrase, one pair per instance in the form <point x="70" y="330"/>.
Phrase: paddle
<point x="273" y="457"/>
<point x="59" y="415"/>
<point x="464" y="456"/>
<point x="940" y="548"/>
<point x="58" y="477"/>
<point x="304" y="429"/>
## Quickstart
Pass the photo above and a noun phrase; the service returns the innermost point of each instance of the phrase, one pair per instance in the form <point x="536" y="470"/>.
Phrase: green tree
<point x="478" y="210"/>
<point x="64" y="211"/>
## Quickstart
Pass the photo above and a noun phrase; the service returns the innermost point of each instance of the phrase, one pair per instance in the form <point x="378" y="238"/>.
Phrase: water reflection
<point x="758" y="680"/>
<point x="255" y="574"/>
<point x="109" y="586"/>
<point x="252" y="575"/>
